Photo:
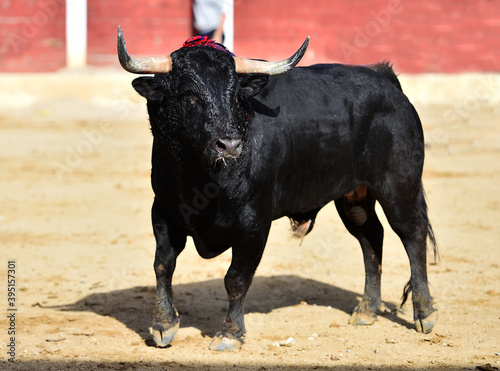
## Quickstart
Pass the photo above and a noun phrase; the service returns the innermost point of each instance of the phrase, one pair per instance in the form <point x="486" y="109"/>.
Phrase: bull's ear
<point x="253" y="83"/>
<point x="149" y="87"/>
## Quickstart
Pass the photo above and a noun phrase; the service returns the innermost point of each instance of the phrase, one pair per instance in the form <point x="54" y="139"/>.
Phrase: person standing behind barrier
<point x="209" y="19"/>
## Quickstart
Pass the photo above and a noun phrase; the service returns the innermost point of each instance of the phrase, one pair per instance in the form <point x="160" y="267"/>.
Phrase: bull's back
<point x="333" y="128"/>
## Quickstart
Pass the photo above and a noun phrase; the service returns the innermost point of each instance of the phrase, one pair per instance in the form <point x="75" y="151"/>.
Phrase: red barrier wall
<point x="150" y="27"/>
<point x="417" y="36"/>
<point x="32" y="35"/>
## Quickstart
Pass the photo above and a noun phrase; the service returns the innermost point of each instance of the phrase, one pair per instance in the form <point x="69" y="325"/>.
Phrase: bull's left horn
<point x="143" y="65"/>
<point x="270" y="68"/>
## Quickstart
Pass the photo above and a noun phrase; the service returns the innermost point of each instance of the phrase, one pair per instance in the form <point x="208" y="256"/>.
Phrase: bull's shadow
<point x="203" y="304"/>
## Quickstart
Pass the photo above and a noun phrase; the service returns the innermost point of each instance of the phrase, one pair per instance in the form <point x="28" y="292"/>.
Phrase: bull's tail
<point x="385" y="69"/>
<point x="430" y="233"/>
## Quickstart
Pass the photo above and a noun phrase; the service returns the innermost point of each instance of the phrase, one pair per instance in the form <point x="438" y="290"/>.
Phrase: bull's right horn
<point x="270" y="68"/>
<point x="143" y="65"/>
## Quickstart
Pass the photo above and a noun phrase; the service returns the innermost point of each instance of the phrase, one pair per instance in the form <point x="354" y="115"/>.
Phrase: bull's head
<point x="199" y="95"/>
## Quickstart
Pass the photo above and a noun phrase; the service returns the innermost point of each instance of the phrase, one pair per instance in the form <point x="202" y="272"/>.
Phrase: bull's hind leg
<point x="357" y="211"/>
<point x="408" y="218"/>
<point x="169" y="244"/>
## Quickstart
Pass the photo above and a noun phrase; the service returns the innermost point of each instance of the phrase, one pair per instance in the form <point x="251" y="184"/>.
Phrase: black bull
<point x="234" y="151"/>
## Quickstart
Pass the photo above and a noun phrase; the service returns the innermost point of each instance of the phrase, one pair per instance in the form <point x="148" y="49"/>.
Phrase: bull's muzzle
<point x="228" y="147"/>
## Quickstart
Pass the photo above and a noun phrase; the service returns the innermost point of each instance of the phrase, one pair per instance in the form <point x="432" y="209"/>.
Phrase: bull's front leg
<point x="169" y="244"/>
<point x="246" y="258"/>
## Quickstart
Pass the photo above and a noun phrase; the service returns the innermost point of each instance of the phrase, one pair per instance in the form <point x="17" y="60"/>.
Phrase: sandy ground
<point x="74" y="216"/>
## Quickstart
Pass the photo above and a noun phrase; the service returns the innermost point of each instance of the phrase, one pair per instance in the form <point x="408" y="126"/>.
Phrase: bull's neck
<point x="186" y="167"/>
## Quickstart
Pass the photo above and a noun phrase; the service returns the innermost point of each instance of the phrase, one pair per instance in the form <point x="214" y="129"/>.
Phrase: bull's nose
<point x="228" y="147"/>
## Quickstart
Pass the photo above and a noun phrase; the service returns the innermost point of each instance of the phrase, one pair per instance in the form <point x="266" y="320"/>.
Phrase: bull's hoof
<point x="362" y="319"/>
<point x="363" y="316"/>
<point x="427" y="324"/>
<point x="163" y="337"/>
<point x="225" y="343"/>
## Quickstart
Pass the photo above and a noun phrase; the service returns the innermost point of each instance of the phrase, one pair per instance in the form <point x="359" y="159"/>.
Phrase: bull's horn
<point x="143" y="65"/>
<point x="270" y="68"/>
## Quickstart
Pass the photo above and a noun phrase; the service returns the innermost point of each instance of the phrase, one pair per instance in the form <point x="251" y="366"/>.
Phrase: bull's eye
<point x="189" y="101"/>
<point x="240" y="109"/>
